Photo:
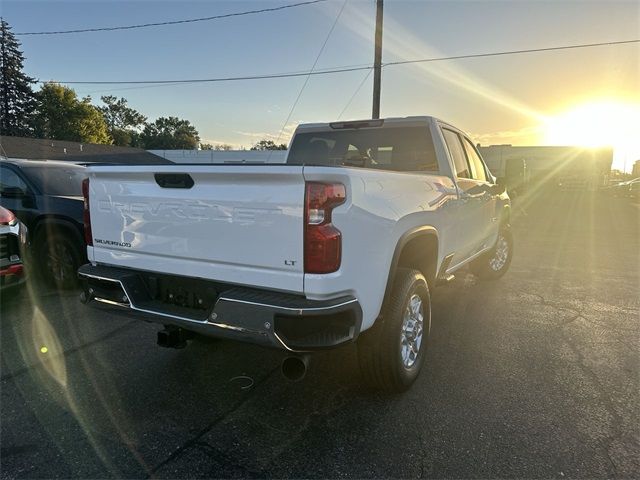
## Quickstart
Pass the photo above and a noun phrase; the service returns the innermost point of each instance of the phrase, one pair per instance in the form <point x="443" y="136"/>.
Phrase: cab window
<point x="456" y="151"/>
<point x="475" y="162"/>
<point x="11" y="182"/>
<point x="400" y="149"/>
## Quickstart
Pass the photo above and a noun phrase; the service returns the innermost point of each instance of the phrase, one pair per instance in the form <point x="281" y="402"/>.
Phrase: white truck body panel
<point x="381" y="206"/>
<point x="238" y="224"/>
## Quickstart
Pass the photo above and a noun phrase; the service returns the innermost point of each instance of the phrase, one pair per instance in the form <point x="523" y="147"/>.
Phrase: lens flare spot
<point x="43" y="349"/>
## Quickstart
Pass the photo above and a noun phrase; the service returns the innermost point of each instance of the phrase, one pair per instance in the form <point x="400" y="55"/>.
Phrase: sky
<point x="584" y="96"/>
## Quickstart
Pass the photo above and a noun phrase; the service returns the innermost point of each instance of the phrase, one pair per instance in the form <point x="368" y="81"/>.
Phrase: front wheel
<point x="496" y="262"/>
<point x="391" y="354"/>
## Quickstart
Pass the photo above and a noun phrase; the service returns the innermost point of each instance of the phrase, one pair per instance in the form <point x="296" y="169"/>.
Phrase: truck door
<point x="470" y="205"/>
<point x="489" y="220"/>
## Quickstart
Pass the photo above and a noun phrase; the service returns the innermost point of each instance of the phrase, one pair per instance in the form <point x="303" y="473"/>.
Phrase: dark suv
<point x="47" y="197"/>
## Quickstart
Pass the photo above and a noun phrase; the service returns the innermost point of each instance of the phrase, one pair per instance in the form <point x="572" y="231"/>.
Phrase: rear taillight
<point x="7" y="217"/>
<point x="86" y="213"/>
<point x="322" y="241"/>
<point x="12" y="270"/>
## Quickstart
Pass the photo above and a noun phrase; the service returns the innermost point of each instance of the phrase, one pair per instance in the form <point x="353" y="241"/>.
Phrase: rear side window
<point x="402" y="149"/>
<point x="456" y="151"/>
<point x="477" y="167"/>
<point x="57" y="180"/>
<point x="9" y="180"/>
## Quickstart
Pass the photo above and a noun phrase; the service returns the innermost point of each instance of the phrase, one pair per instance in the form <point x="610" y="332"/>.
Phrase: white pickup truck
<point x="344" y="242"/>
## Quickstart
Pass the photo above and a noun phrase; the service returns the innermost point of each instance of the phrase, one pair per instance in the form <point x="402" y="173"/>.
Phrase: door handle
<point x="467" y="196"/>
<point x="174" y="180"/>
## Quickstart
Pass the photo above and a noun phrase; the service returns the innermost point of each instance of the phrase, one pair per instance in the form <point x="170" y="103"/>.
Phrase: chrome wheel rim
<point x="501" y="254"/>
<point x="412" y="330"/>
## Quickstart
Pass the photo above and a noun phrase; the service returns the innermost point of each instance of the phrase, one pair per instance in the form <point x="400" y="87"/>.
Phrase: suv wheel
<point x="59" y="259"/>
<point x="391" y="354"/>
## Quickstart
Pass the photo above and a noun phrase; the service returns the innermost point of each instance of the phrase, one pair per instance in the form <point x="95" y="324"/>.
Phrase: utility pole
<point x="377" y="61"/>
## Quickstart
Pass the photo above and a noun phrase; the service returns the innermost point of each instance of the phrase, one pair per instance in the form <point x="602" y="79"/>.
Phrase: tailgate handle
<point x="174" y="180"/>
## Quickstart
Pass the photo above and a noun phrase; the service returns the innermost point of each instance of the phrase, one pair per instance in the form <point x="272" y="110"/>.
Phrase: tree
<point x="218" y="147"/>
<point x="223" y="147"/>
<point x="265" y="144"/>
<point x="123" y="121"/>
<point x="17" y="100"/>
<point x="170" y="133"/>
<point x="62" y="116"/>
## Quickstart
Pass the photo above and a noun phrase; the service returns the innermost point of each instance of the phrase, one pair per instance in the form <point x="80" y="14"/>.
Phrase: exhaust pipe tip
<point x="295" y="368"/>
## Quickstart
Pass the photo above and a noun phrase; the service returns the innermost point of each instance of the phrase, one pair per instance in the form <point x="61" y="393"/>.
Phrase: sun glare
<point x="599" y="124"/>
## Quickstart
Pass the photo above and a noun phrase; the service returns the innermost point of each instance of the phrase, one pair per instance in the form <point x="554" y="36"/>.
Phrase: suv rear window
<point x="402" y="149"/>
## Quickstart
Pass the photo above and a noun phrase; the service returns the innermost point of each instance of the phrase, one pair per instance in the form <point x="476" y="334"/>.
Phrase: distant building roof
<point x="43" y="149"/>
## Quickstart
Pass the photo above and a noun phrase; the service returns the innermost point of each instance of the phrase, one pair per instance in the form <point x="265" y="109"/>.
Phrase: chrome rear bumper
<point x="280" y="320"/>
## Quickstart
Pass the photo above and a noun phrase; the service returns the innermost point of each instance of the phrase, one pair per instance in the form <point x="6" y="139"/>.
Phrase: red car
<point x="13" y="241"/>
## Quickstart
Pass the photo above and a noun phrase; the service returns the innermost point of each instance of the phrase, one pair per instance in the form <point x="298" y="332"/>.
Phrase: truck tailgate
<point x="231" y="223"/>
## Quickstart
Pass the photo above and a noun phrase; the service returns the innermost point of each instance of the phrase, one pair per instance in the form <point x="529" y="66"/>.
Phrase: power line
<point x="353" y="68"/>
<point x="169" y="84"/>
<point x="293" y="73"/>
<point x="510" y="52"/>
<point x="355" y="93"/>
<point x="219" y="79"/>
<point x="304" y="85"/>
<point x="174" y="22"/>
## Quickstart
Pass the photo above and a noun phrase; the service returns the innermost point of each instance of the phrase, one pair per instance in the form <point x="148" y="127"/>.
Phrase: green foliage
<point x="17" y="100"/>
<point x="218" y="147"/>
<point x="223" y="147"/>
<point x="170" y="133"/>
<point x="62" y="116"/>
<point x="265" y="144"/>
<point x="123" y="121"/>
<point x="121" y="137"/>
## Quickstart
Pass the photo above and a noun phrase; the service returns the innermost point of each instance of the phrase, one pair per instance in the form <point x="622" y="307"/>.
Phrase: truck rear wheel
<point x="391" y="354"/>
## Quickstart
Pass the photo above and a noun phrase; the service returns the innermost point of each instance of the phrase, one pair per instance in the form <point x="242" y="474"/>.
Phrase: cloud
<point x="525" y="135"/>
<point x="278" y="137"/>
<point x="234" y="146"/>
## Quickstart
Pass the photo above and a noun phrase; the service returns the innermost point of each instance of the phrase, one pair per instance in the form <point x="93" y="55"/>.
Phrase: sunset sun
<point x="598" y="124"/>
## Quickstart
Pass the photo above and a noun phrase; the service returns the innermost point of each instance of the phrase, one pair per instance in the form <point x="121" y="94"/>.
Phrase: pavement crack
<point x="579" y="315"/>
<point x="576" y="314"/>
<point x="602" y="391"/>
<point x="614" y="467"/>
<point x="228" y="460"/>
<point x="193" y="442"/>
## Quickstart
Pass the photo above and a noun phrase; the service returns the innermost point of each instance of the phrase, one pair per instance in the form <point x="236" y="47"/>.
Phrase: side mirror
<point x="498" y="188"/>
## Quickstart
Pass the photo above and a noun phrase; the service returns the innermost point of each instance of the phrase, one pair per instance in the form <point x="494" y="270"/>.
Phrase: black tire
<point x="493" y="265"/>
<point x="380" y="350"/>
<point x="58" y="261"/>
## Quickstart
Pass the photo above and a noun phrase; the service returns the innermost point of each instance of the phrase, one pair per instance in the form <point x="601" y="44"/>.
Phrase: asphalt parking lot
<point x="536" y="375"/>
